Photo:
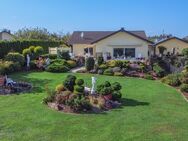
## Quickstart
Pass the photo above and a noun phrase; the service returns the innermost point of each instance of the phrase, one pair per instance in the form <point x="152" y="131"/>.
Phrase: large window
<point x="88" y="51"/>
<point x="118" y="52"/>
<point x="124" y="52"/>
<point x="130" y="52"/>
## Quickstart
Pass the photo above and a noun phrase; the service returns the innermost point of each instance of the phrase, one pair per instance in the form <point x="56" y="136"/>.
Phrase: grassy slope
<point x="152" y="112"/>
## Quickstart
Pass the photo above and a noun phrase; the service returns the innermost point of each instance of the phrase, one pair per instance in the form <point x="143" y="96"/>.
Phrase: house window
<point x="118" y="52"/>
<point x="124" y="52"/>
<point x="130" y="52"/>
<point x="88" y="51"/>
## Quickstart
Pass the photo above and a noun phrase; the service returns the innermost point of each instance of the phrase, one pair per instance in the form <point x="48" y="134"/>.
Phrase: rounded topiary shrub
<point x="32" y="48"/>
<point x="184" y="88"/>
<point x="60" y="88"/>
<point x="26" y="51"/>
<point x="116" y="86"/>
<point x="116" y="95"/>
<point x="69" y="82"/>
<point x="89" y="63"/>
<point x="78" y="89"/>
<point x="38" y="50"/>
<point x="15" y="57"/>
<point x="107" y="84"/>
<point x="79" y="82"/>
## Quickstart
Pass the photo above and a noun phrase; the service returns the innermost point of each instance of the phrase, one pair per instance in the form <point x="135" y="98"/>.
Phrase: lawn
<point x="151" y="111"/>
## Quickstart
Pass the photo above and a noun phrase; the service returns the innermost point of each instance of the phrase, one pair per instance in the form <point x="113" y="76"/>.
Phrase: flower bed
<point x="71" y="96"/>
<point x="178" y="81"/>
<point x="122" y="68"/>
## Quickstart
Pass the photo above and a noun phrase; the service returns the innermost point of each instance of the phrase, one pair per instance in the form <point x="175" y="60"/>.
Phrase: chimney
<point x="82" y="35"/>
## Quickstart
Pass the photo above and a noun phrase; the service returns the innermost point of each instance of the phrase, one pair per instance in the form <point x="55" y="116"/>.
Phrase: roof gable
<point x="168" y="39"/>
<point x="90" y="37"/>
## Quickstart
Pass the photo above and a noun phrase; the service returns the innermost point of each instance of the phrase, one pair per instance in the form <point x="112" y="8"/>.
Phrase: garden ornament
<point x="93" y="80"/>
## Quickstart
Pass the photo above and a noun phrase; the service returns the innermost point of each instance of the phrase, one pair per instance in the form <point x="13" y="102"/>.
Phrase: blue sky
<point x="153" y="16"/>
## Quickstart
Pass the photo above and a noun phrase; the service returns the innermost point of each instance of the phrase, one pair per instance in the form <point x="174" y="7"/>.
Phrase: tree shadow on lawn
<point x="132" y="102"/>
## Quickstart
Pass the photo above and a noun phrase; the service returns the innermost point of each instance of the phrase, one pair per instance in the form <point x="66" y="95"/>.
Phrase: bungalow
<point x="172" y="45"/>
<point x="121" y="44"/>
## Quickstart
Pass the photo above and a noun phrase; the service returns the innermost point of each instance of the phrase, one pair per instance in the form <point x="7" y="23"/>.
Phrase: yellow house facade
<point x="172" y="45"/>
<point x="120" y="44"/>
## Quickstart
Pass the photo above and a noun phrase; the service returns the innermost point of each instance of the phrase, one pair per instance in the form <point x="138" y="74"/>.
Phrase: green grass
<point x="152" y="112"/>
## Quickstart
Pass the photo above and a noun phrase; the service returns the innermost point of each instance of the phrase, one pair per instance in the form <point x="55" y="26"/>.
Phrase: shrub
<point x="103" y="66"/>
<point x="79" y="82"/>
<point x="78" y="88"/>
<point x="158" y="70"/>
<point x="71" y="63"/>
<point x="184" y="88"/>
<point x="111" y="63"/>
<point x="184" y="80"/>
<point x="108" y="72"/>
<point x="58" y="65"/>
<point x="64" y="55"/>
<point x="32" y="48"/>
<point x="33" y="65"/>
<point x="116" y="86"/>
<point x="15" y="57"/>
<point x="59" y="88"/>
<point x="123" y="71"/>
<point x="50" y="96"/>
<point x="57" y="68"/>
<point x="69" y="82"/>
<point x="116" y="69"/>
<point x="89" y="64"/>
<point x="100" y="71"/>
<point x="100" y="60"/>
<point x="107" y="84"/>
<point x="116" y="95"/>
<point x="119" y="63"/>
<point x="106" y="91"/>
<point x="149" y="77"/>
<point x="185" y="52"/>
<point x="118" y="74"/>
<point x="26" y="51"/>
<point x="51" y="56"/>
<point x="126" y="64"/>
<point x="172" y="80"/>
<point x="38" y="50"/>
<point x="7" y="67"/>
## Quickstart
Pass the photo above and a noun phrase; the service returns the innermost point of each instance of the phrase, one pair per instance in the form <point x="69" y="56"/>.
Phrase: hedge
<point x="19" y="45"/>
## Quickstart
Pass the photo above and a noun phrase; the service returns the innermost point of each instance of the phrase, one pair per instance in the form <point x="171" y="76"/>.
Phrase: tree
<point x="41" y="34"/>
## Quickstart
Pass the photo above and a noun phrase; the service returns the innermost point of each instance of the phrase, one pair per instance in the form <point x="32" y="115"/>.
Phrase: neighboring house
<point x="173" y="45"/>
<point x="6" y="36"/>
<point x="121" y="44"/>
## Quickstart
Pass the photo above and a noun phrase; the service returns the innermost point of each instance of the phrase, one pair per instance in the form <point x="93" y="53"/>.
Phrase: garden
<point x="42" y="100"/>
<point x="149" y="111"/>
